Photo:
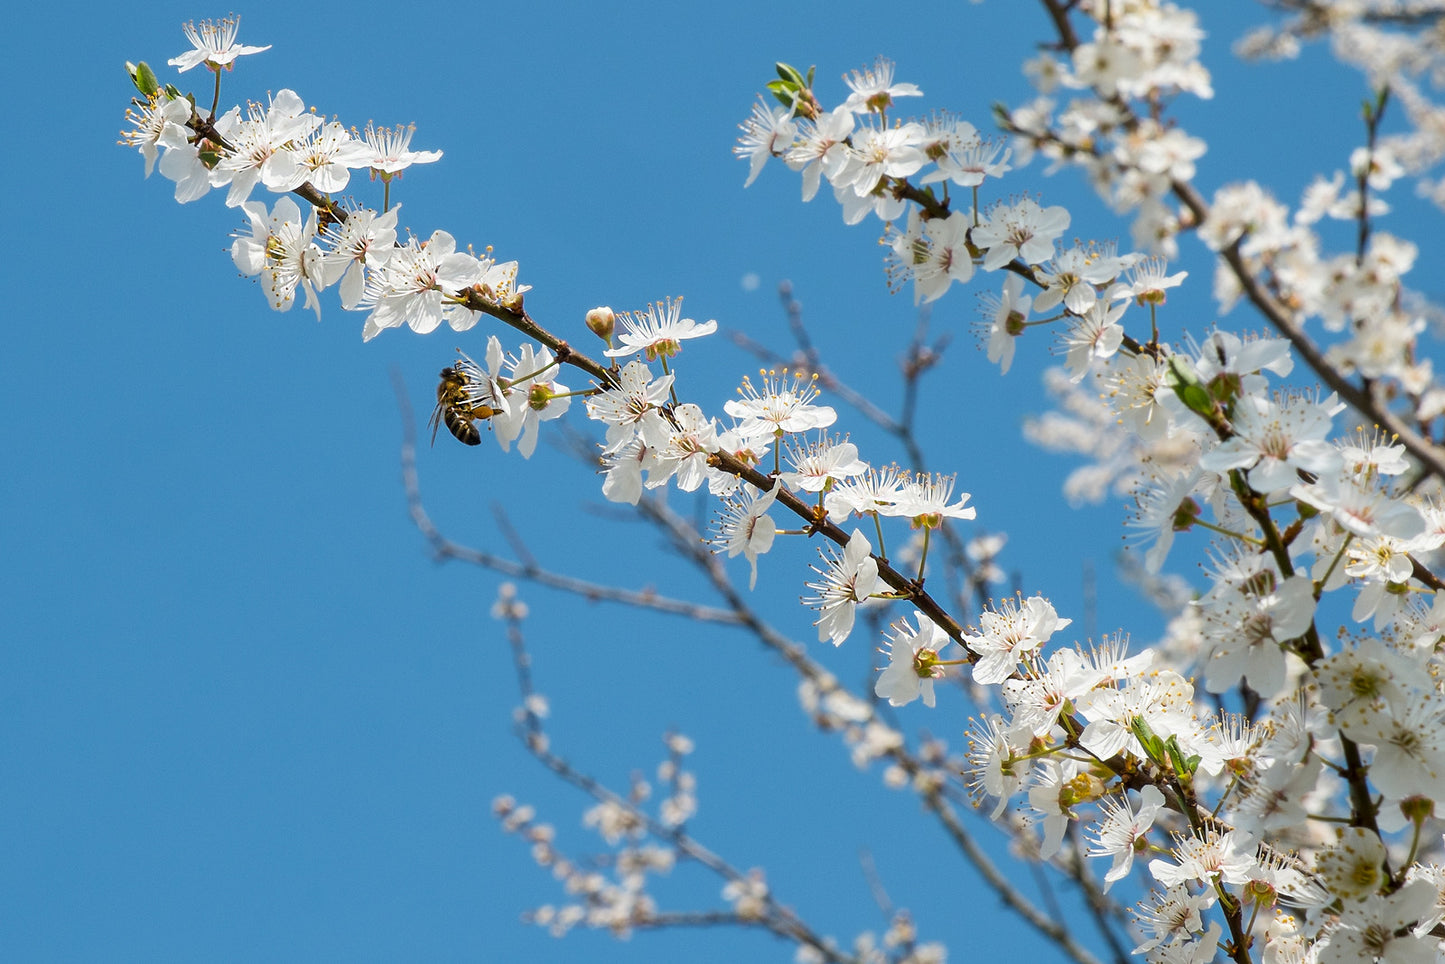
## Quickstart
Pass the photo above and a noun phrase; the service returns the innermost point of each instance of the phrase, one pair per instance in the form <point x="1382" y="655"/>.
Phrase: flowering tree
<point x="1273" y="761"/>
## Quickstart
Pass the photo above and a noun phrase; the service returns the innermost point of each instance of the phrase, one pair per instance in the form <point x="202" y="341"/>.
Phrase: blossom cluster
<point x="284" y="147"/>
<point x="1302" y="509"/>
<point x="1237" y="791"/>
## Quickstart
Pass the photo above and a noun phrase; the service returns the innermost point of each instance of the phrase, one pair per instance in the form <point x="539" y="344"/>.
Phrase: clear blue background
<point x="242" y="714"/>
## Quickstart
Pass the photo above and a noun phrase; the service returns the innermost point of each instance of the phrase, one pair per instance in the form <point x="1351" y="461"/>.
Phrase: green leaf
<point x="783" y="91"/>
<point x="143" y="77"/>
<point x="1191" y="391"/>
<point x="1184" y="766"/>
<point x="789" y="73"/>
<point x="1153" y="746"/>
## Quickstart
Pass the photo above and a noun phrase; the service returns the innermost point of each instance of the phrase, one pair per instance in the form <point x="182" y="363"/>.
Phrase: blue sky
<point x="243" y="715"/>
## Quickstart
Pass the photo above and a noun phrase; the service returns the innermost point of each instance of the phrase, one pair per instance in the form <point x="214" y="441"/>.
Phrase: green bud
<point x="785" y="93"/>
<point x="1191" y="391"/>
<point x="143" y="77"/>
<point x="790" y="74"/>
<point x="1144" y="733"/>
<point x="1184" y="766"/>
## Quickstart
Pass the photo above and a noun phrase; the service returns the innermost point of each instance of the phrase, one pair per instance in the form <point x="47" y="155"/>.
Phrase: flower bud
<point x="601" y="321"/>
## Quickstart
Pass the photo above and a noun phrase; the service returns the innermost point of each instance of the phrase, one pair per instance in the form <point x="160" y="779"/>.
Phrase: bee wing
<point x="434" y="422"/>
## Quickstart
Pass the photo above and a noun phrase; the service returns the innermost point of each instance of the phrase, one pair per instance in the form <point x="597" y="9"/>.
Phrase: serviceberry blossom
<point x="847" y="581"/>
<point x="1379" y="928"/>
<point x="150" y="120"/>
<point x="1163" y="506"/>
<point x="879" y="152"/>
<point x="1023" y="230"/>
<point x="1274" y="439"/>
<point x="820" y="149"/>
<point x="1245" y="632"/>
<point x="657" y="332"/>
<point x="873" y="88"/>
<point x="822" y="463"/>
<point x="961" y="155"/>
<point x="780" y="406"/>
<point x="364" y="240"/>
<point x="679" y="448"/>
<point x="282" y="249"/>
<point x="1076" y="275"/>
<point x="924" y="502"/>
<point x="537" y="398"/>
<point x="1093" y="336"/>
<point x="934" y="253"/>
<point x="744" y="528"/>
<point x="767" y="133"/>
<point x="325" y="157"/>
<point x="262" y="146"/>
<point x="1120" y="834"/>
<point x="182" y="162"/>
<point x="1226" y="857"/>
<point x="1016" y="628"/>
<point x="412" y="286"/>
<point x="996" y="768"/>
<point x="912" y="661"/>
<point x="873" y="492"/>
<point x="632" y="402"/>
<point x="1147" y="281"/>
<point x="389" y="150"/>
<point x="215" y="45"/>
<point x="1008" y="313"/>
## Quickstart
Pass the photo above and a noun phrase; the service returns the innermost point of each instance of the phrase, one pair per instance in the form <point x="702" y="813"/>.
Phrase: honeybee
<point x="457" y="407"/>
